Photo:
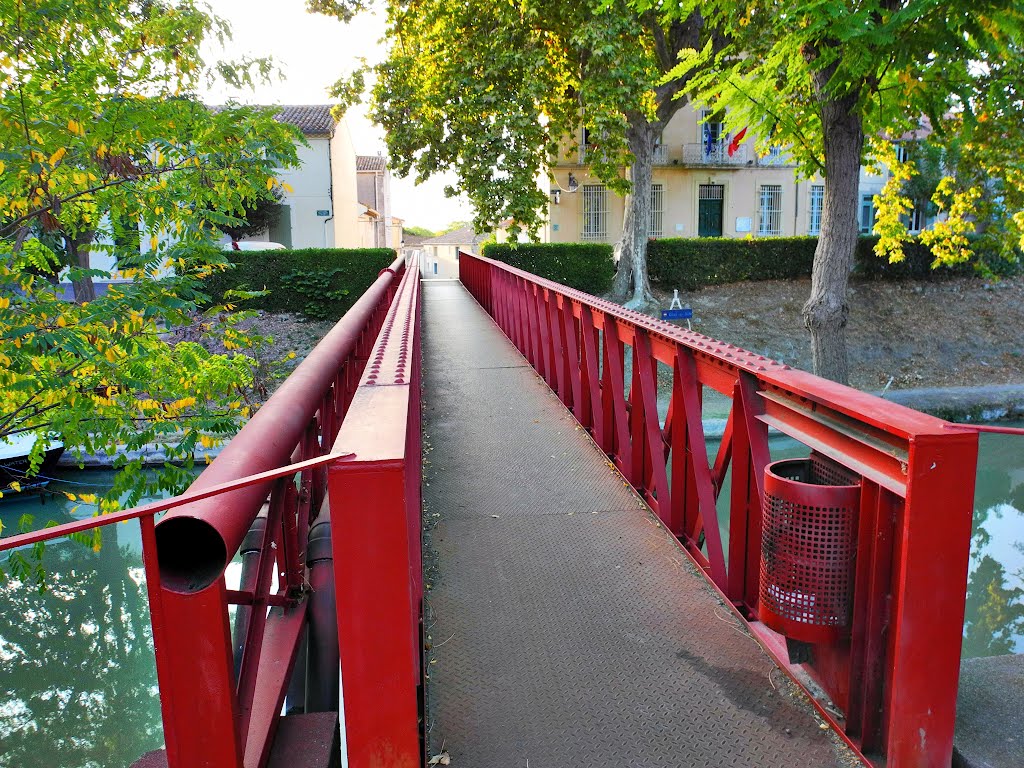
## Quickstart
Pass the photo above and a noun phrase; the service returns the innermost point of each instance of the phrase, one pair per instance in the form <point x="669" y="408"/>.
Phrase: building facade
<point x="705" y="184"/>
<point x="378" y="227"/>
<point x="320" y="210"/>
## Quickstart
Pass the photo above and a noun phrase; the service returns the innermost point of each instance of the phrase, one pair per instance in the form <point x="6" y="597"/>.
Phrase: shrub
<point x="320" y="283"/>
<point x="690" y="263"/>
<point x="584" y="266"/>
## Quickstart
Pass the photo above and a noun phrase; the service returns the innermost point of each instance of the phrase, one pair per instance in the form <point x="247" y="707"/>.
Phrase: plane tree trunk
<point x="826" y="311"/>
<point x="632" y="280"/>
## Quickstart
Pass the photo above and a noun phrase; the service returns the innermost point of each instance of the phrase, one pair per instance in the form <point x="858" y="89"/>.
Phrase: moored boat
<point x="14" y="462"/>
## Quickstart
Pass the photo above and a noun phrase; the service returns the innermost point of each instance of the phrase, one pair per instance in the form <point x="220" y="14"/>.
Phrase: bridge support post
<point x="377" y="619"/>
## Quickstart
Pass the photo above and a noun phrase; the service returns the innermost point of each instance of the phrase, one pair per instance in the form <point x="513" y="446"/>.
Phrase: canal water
<point x="77" y="675"/>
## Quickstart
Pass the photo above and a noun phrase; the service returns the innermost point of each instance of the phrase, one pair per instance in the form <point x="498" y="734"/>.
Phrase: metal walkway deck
<point x="567" y="629"/>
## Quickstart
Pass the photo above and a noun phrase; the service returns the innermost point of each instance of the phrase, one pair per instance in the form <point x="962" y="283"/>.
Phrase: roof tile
<point x="370" y="162"/>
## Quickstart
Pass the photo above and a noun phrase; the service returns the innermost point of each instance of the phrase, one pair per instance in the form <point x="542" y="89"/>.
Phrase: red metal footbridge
<point x="483" y="524"/>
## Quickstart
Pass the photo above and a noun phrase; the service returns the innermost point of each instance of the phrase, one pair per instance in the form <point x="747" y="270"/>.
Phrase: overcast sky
<point x="312" y="52"/>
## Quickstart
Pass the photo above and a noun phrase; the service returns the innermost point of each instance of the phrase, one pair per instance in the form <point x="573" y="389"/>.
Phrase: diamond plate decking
<point x="567" y="629"/>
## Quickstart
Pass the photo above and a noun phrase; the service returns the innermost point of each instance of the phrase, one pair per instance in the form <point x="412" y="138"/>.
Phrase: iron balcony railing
<point x="716" y="153"/>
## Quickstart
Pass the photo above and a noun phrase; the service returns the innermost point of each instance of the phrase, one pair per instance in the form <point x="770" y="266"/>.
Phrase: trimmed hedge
<point x="689" y="263"/>
<point x="584" y="266"/>
<point x="321" y="283"/>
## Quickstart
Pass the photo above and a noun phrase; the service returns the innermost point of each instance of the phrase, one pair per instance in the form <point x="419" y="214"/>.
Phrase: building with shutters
<point x="700" y="189"/>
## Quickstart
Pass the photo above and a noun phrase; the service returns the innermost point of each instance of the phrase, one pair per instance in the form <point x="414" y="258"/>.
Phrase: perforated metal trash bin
<point x="808" y="543"/>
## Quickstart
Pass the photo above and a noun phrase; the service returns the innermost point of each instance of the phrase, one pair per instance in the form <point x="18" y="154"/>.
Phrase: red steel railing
<point x="375" y="502"/>
<point x="219" y="710"/>
<point x="894" y="675"/>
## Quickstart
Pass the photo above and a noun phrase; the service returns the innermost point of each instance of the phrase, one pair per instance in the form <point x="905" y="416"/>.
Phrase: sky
<point x="312" y="52"/>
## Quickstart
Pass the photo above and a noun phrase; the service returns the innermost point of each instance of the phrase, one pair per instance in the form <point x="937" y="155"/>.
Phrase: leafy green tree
<point x="492" y="91"/>
<point x="101" y="147"/>
<point x="418" y="231"/>
<point x="256" y="219"/>
<point x="994" y="611"/>
<point x="834" y="81"/>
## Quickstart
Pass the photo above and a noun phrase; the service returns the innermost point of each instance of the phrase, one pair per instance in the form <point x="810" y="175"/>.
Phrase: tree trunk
<point x="631" y="278"/>
<point x="826" y="311"/>
<point x="78" y="255"/>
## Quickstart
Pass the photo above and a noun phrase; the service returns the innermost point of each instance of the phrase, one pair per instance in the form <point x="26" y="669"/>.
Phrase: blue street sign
<point x="676" y="314"/>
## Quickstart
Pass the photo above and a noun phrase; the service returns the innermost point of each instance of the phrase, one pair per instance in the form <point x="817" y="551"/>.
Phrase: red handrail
<point x="894" y="675"/>
<point x="213" y="717"/>
<point x="375" y="502"/>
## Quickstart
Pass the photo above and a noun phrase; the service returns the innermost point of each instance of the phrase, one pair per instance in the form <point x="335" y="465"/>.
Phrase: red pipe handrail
<point x="211" y="716"/>
<point x="266" y="441"/>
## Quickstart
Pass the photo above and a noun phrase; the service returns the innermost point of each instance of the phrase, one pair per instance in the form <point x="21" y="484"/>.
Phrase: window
<point x="917" y="219"/>
<point x="867" y="214"/>
<point x="657" y="211"/>
<point x="713" y="137"/>
<point x="660" y="150"/>
<point x="902" y="151"/>
<point x="595" y="212"/>
<point x="814" y="212"/>
<point x="712" y="123"/>
<point x="770" y="210"/>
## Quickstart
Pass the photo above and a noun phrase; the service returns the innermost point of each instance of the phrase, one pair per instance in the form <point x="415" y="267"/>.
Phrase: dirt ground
<point x="962" y="332"/>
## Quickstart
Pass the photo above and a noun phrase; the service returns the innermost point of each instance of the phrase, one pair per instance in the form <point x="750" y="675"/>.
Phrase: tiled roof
<point x="464" y="236"/>
<point x="311" y="119"/>
<point x="370" y="162"/>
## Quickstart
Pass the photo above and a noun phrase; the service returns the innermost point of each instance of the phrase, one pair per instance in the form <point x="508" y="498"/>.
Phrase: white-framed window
<point x="867" y="214"/>
<point x="713" y="137"/>
<point x="770" y="210"/>
<point x="657" y="211"/>
<point x="815" y="208"/>
<point x="902" y="151"/>
<point x="917" y="219"/>
<point x="715" y="125"/>
<point x="594" y="209"/>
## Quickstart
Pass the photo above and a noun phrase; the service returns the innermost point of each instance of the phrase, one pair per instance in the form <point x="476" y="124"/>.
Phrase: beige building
<point x="378" y="227"/>
<point x="700" y="189"/>
<point x="439" y="256"/>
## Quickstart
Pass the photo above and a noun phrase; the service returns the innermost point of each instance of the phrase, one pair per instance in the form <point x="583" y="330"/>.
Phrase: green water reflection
<point x="78" y="688"/>
<point x="77" y="675"/>
<point x="995" y="589"/>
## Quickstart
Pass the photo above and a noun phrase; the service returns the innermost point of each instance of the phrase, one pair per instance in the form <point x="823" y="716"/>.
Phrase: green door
<point x="709" y="210"/>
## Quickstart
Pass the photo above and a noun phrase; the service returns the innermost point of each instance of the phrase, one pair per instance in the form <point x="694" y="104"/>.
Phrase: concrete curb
<point x="150" y="455"/>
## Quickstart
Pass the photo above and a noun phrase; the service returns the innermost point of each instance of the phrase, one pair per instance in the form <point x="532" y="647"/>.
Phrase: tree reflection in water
<point x="994" y="620"/>
<point x="78" y="688"/>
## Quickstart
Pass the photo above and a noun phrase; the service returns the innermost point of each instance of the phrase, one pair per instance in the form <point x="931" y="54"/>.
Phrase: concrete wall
<point x="374" y="191"/>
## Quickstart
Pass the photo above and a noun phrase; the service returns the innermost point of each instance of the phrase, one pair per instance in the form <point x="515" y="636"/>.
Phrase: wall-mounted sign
<point x="744" y="224"/>
<point x="323" y="213"/>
